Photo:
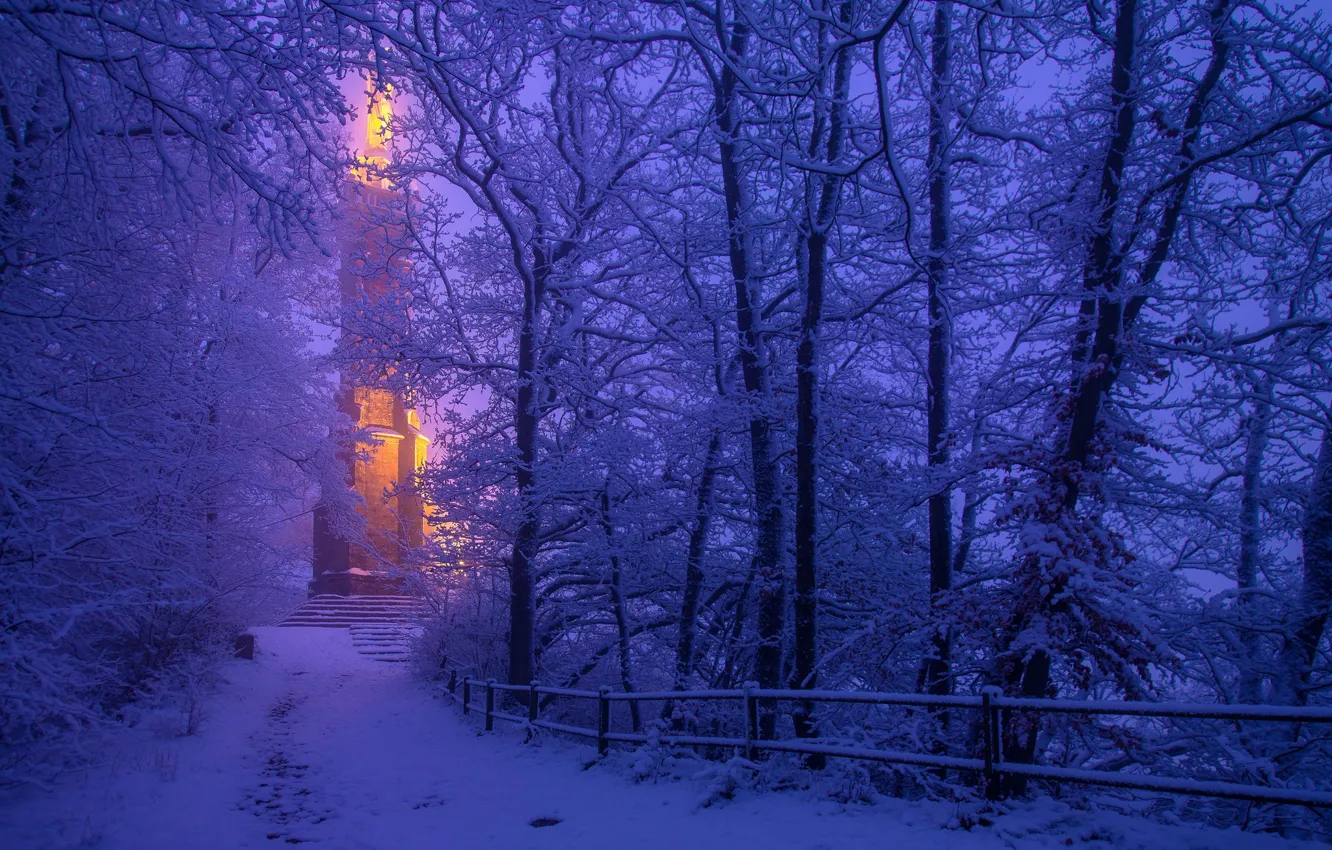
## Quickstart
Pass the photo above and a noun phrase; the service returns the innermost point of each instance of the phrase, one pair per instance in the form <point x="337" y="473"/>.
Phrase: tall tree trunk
<point x="522" y="596"/>
<point x="1094" y="352"/>
<point x="1250" y="682"/>
<point x="936" y="671"/>
<point x="805" y="674"/>
<point x="822" y="210"/>
<point x="1107" y="315"/>
<point x="1315" y="603"/>
<point x="769" y="521"/>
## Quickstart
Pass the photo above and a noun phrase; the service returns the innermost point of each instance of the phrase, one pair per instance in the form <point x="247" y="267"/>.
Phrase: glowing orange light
<point x="379" y="115"/>
<point x="378" y="118"/>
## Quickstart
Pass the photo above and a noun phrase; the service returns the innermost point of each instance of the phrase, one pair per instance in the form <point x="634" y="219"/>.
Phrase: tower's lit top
<point x="378" y="118"/>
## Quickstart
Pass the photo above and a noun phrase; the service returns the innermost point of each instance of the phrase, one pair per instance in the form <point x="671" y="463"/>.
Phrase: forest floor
<point x="313" y="743"/>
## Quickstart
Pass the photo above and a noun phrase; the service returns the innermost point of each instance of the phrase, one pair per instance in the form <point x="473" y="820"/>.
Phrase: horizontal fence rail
<point x="991" y="704"/>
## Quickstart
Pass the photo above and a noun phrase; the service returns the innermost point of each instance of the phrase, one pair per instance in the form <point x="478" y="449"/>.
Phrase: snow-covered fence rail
<point x="991" y="705"/>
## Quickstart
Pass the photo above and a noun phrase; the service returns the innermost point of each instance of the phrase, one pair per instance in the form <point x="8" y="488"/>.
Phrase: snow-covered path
<point x="313" y="743"/>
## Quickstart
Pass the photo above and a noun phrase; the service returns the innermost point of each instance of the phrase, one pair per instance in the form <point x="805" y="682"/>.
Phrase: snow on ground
<point x="313" y="743"/>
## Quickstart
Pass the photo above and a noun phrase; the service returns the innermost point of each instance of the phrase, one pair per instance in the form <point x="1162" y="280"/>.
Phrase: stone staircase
<point x="340" y="612"/>
<point x="381" y="626"/>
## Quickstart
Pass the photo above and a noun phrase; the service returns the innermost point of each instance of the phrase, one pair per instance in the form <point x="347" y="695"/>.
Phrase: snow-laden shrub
<point x="464" y="632"/>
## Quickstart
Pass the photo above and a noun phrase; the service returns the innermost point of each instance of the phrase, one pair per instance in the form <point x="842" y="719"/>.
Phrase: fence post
<point x="532" y="702"/>
<point x="453" y="682"/>
<point x="751" y="721"/>
<point x="467" y="695"/>
<point x="490" y="705"/>
<point x="603" y="719"/>
<point x="990" y="735"/>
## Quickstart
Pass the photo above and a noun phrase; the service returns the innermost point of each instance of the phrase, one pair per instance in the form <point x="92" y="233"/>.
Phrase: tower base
<point x="355" y="584"/>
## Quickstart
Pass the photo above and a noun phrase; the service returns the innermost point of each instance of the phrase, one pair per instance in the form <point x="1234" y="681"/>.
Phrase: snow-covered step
<point x="382" y="642"/>
<point x="343" y="611"/>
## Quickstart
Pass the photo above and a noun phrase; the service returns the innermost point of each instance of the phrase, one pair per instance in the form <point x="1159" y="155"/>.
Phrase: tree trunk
<point x="620" y="610"/>
<point x="822" y="210"/>
<point x="1246" y="579"/>
<point x="1315" y="602"/>
<point x="936" y="671"/>
<point x="1107" y="315"/>
<point x="806" y="524"/>
<point x="967" y="532"/>
<point x="1095" y="349"/>
<point x="522" y="597"/>
<point x="768" y="516"/>
<point x="693" y="586"/>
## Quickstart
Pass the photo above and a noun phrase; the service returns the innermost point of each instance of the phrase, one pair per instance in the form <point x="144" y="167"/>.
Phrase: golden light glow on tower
<point x="379" y="115"/>
<point x="378" y="123"/>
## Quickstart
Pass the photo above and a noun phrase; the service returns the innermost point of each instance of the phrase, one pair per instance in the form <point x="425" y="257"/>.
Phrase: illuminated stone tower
<point x="394" y="522"/>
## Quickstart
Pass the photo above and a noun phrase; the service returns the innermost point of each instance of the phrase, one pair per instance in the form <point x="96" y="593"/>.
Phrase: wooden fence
<point x="990" y="703"/>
